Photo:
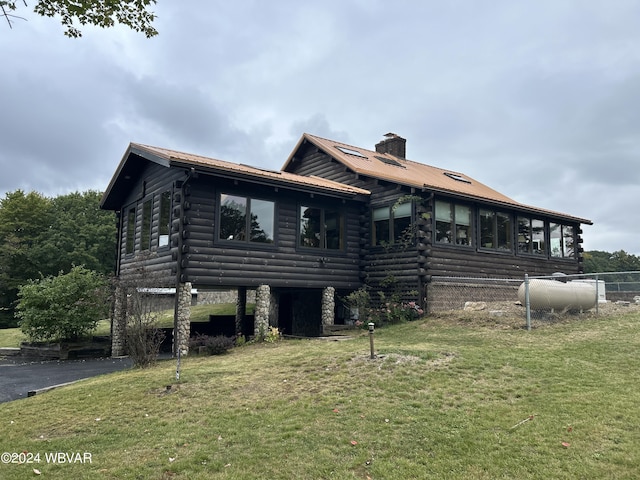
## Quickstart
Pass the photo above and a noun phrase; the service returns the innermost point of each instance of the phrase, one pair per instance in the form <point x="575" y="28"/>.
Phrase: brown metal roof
<point x="198" y="161"/>
<point x="388" y="167"/>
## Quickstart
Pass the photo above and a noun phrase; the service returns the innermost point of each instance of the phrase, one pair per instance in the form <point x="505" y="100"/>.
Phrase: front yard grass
<point x="443" y="400"/>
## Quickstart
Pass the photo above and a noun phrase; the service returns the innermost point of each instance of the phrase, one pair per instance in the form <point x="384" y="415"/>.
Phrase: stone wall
<point x="210" y="297"/>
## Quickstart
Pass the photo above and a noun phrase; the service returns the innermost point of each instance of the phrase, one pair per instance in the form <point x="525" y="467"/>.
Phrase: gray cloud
<point x="538" y="101"/>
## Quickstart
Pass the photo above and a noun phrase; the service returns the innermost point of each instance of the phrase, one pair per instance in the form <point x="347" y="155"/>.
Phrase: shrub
<point x="143" y="337"/>
<point x="67" y="306"/>
<point x="389" y="308"/>
<point x="359" y="301"/>
<point x="273" y="335"/>
<point x="143" y="340"/>
<point x="214" y="345"/>
<point x="393" y="310"/>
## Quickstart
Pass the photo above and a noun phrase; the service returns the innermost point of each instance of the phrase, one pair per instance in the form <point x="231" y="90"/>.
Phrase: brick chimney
<point x="393" y="144"/>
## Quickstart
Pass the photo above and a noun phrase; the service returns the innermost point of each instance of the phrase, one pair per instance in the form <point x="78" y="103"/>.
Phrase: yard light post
<point x="371" y="326"/>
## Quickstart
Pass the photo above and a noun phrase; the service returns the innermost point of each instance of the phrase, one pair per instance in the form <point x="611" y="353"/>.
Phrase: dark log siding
<point x="206" y="261"/>
<point x="209" y="261"/>
<point x="449" y="260"/>
<point x="157" y="261"/>
<point x="412" y="266"/>
<point x="380" y="264"/>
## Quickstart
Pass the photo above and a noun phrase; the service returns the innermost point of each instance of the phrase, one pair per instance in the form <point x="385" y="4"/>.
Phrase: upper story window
<point x="321" y="228"/>
<point x="145" y="234"/>
<point x="531" y="238"/>
<point x="495" y="230"/>
<point x="164" y="227"/>
<point x="391" y="225"/>
<point x="130" y="241"/>
<point x="562" y="240"/>
<point x="245" y="219"/>
<point x="453" y="223"/>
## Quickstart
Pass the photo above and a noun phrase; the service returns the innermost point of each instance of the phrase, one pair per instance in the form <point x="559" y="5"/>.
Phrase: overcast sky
<point x="538" y="99"/>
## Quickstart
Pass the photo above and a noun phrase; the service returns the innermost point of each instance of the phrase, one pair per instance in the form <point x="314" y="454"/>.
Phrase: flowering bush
<point x="396" y="311"/>
<point x="273" y="335"/>
<point x="389" y="309"/>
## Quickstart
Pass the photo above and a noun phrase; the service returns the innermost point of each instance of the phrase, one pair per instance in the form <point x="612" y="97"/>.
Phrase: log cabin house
<point x="335" y="218"/>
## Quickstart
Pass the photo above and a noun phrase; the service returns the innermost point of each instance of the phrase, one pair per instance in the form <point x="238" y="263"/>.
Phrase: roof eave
<point x="275" y="182"/>
<point x="292" y="155"/>
<point x="512" y="205"/>
<point x="107" y="193"/>
<point x="132" y="149"/>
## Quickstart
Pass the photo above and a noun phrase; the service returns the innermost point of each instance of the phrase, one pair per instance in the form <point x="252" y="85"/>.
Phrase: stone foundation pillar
<point x="119" y="323"/>
<point x="262" y="310"/>
<point x="241" y="309"/>
<point x="328" y="305"/>
<point x="184" y="318"/>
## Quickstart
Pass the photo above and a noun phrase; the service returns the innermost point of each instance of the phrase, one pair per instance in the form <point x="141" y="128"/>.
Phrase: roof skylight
<point x="349" y="151"/>
<point x="390" y="161"/>
<point x="457" y="177"/>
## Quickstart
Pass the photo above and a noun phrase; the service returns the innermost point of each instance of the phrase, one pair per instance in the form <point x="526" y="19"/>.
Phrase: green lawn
<point x="11" y="337"/>
<point x="443" y="399"/>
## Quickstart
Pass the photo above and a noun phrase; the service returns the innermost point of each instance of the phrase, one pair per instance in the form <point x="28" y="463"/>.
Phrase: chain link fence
<point x="533" y="301"/>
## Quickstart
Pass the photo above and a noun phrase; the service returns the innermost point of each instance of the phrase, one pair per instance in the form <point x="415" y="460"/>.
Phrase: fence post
<point x="597" y="295"/>
<point x="526" y="300"/>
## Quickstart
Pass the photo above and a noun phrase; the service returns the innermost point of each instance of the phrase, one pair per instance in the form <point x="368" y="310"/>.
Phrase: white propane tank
<point x="552" y="294"/>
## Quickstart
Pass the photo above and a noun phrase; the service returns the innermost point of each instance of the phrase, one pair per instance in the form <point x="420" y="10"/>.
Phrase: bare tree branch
<point x="11" y="6"/>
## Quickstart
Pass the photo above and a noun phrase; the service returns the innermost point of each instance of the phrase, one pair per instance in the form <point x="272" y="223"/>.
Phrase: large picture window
<point x="561" y="241"/>
<point x="391" y="225"/>
<point x="531" y="236"/>
<point x="245" y="219"/>
<point x="453" y="223"/>
<point x="321" y="228"/>
<point x="495" y="230"/>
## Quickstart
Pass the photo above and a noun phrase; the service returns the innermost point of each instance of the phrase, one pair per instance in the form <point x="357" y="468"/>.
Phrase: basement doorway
<point x="300" y="312"/>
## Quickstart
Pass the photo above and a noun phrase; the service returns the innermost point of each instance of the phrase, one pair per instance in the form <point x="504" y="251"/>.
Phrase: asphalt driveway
<point x="19" y="376"/>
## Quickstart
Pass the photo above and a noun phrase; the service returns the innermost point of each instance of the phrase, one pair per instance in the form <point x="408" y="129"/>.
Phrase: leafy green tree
<point x="625" y="262"/>
<point x="67" y="306"/>
<point x="42" y="237"/>
<point x="80" y="233"/>
<point x="23" y="218"/>
<point x="598" y="261"/>
<point x="134" y="14"/>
